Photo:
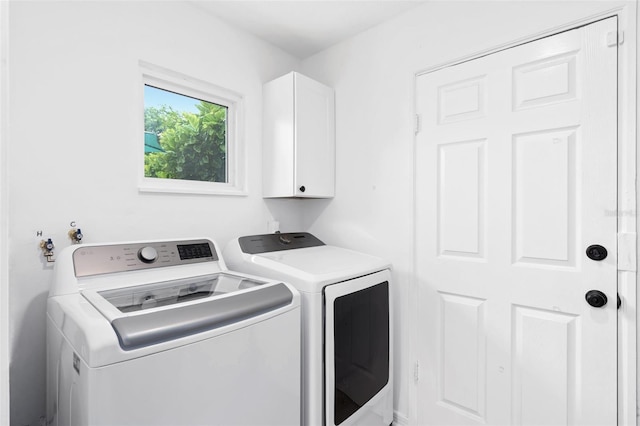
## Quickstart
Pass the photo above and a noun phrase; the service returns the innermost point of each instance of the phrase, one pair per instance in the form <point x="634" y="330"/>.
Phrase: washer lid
<point x="149" y="314"/>
<point x="142" y="297"/>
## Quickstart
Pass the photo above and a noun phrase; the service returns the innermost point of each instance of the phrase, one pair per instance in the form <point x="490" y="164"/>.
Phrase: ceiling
<point x="305" y="27"/>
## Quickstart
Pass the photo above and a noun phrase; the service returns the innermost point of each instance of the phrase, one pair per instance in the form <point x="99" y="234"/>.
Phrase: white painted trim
<point x="413" y="292"/>
<point x="627" y="223"/>
<point x="628" y="159"/>
<point x="4" y="274"/>
<point x="542" y="34"/>
<point x="400" y="419"/>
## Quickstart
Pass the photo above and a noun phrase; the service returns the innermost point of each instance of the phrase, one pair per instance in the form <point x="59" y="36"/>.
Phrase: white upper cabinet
<point x="299" y="138"/>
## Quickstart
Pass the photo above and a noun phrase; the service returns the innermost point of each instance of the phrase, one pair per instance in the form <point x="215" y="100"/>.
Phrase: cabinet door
<point x="314" y="174"/>
<point x="278" y="140"/>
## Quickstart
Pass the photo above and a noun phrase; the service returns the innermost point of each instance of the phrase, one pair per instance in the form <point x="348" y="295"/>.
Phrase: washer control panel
<point x="107" y="259"/>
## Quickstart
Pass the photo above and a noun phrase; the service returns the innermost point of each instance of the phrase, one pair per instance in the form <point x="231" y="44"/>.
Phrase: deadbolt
<point x="596" y="252"/>
<point x="619" y="302"/>
<point x="596" y="298"/>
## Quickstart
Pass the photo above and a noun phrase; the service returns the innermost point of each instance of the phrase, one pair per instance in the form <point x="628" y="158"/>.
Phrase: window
<point x="184" y="137"/>
<point x="191" y="140"/>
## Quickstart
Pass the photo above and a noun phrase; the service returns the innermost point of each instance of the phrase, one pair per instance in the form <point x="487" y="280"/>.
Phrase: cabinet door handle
<point x="302" y="188"/>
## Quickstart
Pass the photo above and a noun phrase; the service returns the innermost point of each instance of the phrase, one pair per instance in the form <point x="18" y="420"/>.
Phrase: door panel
<point x="461" y="172"/>
<point x="462" y="361"/>
<point x="545" y="81"/>
<point x="461" y="100"/>
<point x="544" y="390"/>
<point x="550" y="241"/>
<point x="515" y="178"/>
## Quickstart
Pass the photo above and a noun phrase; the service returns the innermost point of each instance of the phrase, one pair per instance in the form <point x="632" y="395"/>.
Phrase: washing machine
<point x="162" y="333"/>
<point x="347" y="327"/>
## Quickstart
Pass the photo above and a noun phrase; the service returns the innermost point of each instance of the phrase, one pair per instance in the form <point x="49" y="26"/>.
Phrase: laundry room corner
<point x="72" y="146"/>
<point x="73" y="170"/>
<point x="373" y="76"/>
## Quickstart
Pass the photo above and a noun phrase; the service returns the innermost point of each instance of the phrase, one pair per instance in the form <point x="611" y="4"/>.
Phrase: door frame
<point x="4" y="280"/>
<point x="628" y="221"/>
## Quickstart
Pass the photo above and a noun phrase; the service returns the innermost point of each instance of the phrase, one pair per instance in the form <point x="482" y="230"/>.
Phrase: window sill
<point x="177" y="186"/>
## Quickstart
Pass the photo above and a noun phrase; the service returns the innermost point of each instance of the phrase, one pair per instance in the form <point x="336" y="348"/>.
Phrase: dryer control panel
<point x="255" y="244"/>
<point x="106" y="259"/>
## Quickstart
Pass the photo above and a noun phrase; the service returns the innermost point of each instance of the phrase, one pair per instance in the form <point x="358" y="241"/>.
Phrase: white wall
<point x="373" y="75"/>
<point x="73" y="145"/>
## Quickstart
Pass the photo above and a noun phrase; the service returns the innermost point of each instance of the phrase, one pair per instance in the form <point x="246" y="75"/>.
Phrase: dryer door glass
<point x="361" y="333"/>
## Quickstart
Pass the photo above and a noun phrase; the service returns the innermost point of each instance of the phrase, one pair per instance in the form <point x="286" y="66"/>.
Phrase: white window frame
<point x="173" y="81"/>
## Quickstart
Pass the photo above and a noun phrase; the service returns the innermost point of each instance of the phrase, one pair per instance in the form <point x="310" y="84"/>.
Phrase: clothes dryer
<point x="162" y="333"/>
<point x="347" y="325"/>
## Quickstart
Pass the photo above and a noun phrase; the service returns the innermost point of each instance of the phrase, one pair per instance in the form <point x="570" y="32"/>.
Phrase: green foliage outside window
<point x="194" y="144"/>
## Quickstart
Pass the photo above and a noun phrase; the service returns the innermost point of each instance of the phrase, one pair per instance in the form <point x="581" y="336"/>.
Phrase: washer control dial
<point x="147" y="254"/>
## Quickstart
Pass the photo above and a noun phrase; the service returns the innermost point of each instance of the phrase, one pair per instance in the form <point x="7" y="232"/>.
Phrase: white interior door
<point x="515" y="178"/>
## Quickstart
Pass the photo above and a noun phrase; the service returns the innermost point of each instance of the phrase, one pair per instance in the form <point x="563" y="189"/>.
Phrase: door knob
<point x="596" y="298"/>
<point x="302" y="188"/>
<point x="596" y="252"/>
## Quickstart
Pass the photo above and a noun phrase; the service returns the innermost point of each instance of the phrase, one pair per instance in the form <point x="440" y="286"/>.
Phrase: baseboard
<point x="400" y="419"/>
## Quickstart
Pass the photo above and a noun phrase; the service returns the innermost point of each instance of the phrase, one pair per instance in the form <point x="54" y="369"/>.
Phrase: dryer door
<point x="357" y="351"/>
